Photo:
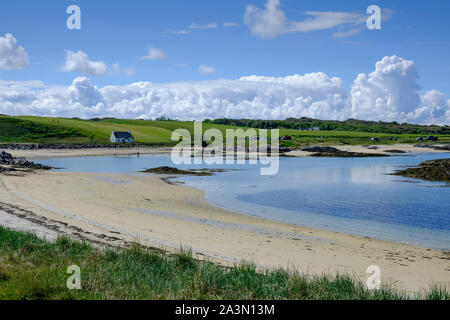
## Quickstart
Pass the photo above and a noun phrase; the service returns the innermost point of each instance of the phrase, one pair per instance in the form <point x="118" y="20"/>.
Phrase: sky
<point x="268" y="59"/>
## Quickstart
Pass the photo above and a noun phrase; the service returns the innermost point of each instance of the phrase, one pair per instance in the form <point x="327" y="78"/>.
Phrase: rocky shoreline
<point x="433" y="170"/>
<point x="331" y="152"/>
<point x="444" y="147"/>
<point x="10" y="163"/>
<point x="58" y="146"/>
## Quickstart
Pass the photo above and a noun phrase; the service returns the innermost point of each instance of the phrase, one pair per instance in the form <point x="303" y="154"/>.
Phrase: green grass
<point x="62" y="130"/>
<point x="13" y="129"/>
<point x="90" y="131"/>
<point x="31" y="268"/>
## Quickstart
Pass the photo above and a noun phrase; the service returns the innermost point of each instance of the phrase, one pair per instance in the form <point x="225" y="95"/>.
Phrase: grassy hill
<point x="62" y="130"/>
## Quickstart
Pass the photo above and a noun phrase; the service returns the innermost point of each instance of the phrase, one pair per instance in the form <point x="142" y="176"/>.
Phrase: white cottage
<point x="121" y="137"/>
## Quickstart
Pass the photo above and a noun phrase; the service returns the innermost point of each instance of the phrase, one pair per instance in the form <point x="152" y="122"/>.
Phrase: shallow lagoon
<point x="351" y="195"/>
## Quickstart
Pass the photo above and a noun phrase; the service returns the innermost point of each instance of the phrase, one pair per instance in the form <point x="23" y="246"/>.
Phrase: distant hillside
<point x="159" y="132"/>
<point x="332" y="125"/>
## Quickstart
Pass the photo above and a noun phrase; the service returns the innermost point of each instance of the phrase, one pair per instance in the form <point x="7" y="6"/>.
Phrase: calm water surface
<point x="355" y="196"/>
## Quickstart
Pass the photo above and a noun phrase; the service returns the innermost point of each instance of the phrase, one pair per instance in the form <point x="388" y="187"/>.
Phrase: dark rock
<point x="8" y="159"/>
<point x="330" y="152"/>
<point x="321" y="149"/>
<point x="175" y="171"/>
<point x="433" y="170"/>
<point x="423" y="145"/>
<point x="3" y="169"/>
<point x="284" y="149"/>
<point x="346" y="154"/>
<point x="395" y="151"/>
<point x="443" y="148"/>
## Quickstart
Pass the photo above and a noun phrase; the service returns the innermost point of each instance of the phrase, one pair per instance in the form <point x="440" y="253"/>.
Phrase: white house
<point x="121" y="137"/>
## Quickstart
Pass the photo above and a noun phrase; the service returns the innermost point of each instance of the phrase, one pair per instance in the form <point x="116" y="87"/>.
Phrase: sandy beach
<point x="121" y="209"/>
<point x="52" y="153"/>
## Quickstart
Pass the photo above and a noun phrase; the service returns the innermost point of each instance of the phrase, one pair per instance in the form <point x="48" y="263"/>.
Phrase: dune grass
<point x="31" y="268"/>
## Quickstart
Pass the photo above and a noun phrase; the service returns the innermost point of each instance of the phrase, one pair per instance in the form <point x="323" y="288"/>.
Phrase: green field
<point x="31" y="268"/>
<point x="62" y="130"/>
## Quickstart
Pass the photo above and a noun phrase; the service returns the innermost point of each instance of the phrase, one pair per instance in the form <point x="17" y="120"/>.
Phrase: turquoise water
<point x="351" y="195"/>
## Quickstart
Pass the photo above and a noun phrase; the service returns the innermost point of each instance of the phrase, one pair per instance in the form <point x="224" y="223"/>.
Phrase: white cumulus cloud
<point x="79" y="62"/>
<point x="389" y="93"/>
<point x="83" y="92"/>
<point x="12" y="56"/>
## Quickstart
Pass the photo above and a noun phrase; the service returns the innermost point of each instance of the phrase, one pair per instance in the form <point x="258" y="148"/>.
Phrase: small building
<point x="419" y="139"/>
<point x="374" y="139"/>
<point x="316" y="129"/>
<point x="121" y="137"/>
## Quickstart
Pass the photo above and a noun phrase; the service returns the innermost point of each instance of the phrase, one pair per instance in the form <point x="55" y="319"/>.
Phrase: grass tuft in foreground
<point x="31" y="268"/>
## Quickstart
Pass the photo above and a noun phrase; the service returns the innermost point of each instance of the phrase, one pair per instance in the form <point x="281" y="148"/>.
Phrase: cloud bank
<point x="389" y="93"/>
<point x="12" y="56"/>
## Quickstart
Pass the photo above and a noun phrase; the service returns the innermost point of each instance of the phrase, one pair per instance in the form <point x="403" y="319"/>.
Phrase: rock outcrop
<point x="331" y="152"/>
<point x="6" y="159"/>
<point x="433" y="170"/>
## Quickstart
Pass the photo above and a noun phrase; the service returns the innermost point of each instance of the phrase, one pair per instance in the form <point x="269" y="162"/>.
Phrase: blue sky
<point x="123" y="31"/>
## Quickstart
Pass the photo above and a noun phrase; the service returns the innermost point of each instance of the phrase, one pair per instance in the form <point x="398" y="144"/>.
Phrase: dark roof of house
<point x="122" y="135"/>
